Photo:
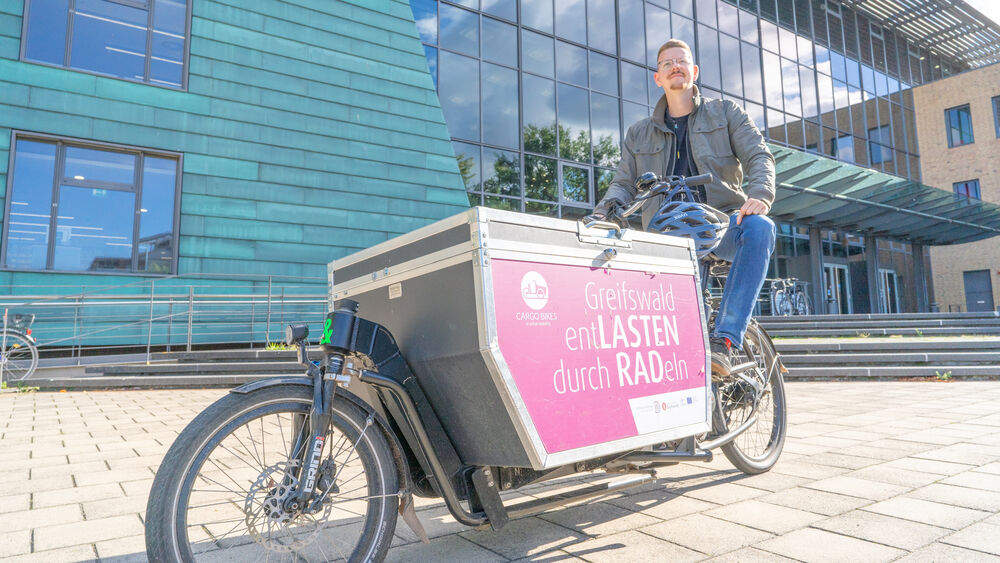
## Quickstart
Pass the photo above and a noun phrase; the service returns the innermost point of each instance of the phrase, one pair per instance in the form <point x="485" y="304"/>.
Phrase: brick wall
<point x="942" y="166"/>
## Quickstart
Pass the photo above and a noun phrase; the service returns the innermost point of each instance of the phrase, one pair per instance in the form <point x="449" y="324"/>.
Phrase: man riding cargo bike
<point x="687" y="135"/>
<point x="495" y="350"/>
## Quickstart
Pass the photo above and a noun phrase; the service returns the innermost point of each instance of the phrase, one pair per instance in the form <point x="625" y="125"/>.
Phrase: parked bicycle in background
<point x="18" y="353"/>
<point x="790" y="296"/>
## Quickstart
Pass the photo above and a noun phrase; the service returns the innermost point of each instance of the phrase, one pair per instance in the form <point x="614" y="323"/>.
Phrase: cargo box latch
<point x="604" y="234"/>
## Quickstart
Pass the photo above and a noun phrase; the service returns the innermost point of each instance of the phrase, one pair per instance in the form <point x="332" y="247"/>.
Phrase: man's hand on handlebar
<point x="607" y="211"/>
<point x="753" y="207"/>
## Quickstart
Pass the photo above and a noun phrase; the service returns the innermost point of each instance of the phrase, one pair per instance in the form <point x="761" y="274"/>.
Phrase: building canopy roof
<point x="950" y="28"/>
<point x="818" y="191"/>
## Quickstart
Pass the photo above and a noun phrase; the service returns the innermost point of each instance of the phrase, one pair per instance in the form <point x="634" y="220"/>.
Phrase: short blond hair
<point x="672" y="43"/>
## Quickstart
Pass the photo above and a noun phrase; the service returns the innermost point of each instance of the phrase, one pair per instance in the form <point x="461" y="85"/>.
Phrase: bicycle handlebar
<point x="649" y="185"/>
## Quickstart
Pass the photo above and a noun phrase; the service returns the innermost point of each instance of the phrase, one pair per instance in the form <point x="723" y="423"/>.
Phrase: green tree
<point x="467" y="168"/>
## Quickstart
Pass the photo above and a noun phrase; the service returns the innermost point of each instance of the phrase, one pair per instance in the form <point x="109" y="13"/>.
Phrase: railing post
<point x="149" y="332"/>
<point x="267" y="330"/>
<point x="170" y="320"/>
<point x="190" y="315"/>
<point x="253" y="313"/>
<point x="76" y="330"/>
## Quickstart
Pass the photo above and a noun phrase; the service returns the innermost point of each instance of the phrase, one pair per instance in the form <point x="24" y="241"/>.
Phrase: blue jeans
<point x="748" y="246"/>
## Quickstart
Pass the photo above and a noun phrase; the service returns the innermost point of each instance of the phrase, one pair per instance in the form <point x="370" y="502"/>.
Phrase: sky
<point x="989" y="8"/>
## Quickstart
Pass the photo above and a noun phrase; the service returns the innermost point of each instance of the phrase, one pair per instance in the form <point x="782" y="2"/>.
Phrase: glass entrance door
<point x="889" y="291"/>
<point x="837" y="289"/>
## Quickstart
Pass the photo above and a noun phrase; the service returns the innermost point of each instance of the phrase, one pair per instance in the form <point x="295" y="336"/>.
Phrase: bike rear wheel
<point x="219" y="493"/>
<point x="801" y="303"/>
<point x="757" y="449"/>
<point x="18" y="356"/>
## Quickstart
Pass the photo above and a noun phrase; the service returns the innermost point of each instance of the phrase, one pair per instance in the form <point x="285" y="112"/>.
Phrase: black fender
<point x="399" y="453"/>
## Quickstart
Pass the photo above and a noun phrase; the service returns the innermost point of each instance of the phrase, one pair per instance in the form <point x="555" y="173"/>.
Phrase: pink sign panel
<point x="599" y="355"/>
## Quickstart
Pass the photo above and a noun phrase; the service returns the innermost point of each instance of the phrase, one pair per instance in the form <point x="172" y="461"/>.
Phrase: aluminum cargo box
<point x="533" y="346"/>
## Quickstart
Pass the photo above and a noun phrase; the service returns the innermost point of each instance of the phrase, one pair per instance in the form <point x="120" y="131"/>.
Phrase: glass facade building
<point x="538" y="95"/>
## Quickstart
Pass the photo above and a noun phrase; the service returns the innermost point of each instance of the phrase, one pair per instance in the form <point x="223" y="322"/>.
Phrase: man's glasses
<point x="667" y="64"/>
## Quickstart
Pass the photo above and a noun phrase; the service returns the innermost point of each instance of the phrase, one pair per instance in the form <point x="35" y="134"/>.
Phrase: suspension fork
<point x="320" y="418"/>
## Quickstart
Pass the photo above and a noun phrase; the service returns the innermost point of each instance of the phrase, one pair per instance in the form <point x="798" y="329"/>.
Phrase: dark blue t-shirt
<point x="683" y="164"/>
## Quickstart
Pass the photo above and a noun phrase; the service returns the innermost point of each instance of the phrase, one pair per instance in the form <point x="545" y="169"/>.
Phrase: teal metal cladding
<point x="309" y="130"/>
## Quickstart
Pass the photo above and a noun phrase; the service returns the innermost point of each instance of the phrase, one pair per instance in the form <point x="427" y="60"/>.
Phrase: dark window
<point x="467" y="156"/>
<point x="878" y="137"/>
<point x="996" y="115"/>
<point x="459" y="30"/>
<point x="500" y="114"/>
<point x="574" y="123"/>
<point x="604" y="73"/>
<point x="969" y="189"/>
<point x="959" y="123"/>
<point x="503" y="8"/>
<point x="499" y="42"/>
<point x="458" y="90"/>
<point x="601" y="25"/>
<point x="539" y="103"/>
<point x="842" y="148"/>
<point x="632" y="35"/>
<point x="142" y="41"/>
<point x="571" y="63"/>
<point x="78" y="208"/>
<point x="537" y="14"/>
<point x="537" y="53"/>
<point x="571" y="20"/>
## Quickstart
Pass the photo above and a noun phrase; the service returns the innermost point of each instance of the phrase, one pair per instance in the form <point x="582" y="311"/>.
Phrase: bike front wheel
<point x="782" y="304"/>
<point x="761" y="394"/>
<point x="220" y="493"/>
<point x="18" y="356"/>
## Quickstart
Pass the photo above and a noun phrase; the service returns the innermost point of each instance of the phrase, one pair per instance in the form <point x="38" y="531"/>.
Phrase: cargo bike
<point x="478" y="355"/>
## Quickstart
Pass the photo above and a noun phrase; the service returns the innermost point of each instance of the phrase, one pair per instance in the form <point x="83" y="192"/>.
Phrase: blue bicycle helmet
<point x="692" y="220"/>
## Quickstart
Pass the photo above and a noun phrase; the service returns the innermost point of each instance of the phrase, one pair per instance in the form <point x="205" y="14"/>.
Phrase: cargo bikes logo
<point x="534" y="290"/>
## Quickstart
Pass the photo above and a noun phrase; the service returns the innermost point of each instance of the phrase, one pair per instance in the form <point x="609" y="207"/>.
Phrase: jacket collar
<point x="660" y="111"/>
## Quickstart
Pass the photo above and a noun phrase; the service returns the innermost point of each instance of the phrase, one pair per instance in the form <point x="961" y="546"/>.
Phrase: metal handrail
<point x="190" y="310"/>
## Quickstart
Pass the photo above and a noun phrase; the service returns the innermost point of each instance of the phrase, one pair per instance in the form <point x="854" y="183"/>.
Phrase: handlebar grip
<point x="699" y="180"/>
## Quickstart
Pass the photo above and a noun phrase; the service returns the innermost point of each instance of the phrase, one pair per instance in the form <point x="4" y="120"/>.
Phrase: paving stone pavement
<point x="871" y="471"/>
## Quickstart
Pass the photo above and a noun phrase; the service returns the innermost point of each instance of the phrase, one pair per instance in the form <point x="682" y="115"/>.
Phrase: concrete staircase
<point x="939" y="345"/>
<point x="905" y="324"/>
<point x="958" y="357"/>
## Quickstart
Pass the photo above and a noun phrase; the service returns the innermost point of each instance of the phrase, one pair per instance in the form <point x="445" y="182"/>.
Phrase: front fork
<point x="308" y="447"/>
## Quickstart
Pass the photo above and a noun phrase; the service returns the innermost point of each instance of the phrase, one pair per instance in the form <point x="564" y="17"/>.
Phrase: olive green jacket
<point x="722" y="137"/>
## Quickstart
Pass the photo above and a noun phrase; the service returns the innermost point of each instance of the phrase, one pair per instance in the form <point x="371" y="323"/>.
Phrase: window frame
<point x="979" y="193"/>
<point x="140" y="152"/>
<point x="148" y="5"/>
<point x="996" y="115"/>
<point x="876" y="145"/>
<point x="947" y="126"/>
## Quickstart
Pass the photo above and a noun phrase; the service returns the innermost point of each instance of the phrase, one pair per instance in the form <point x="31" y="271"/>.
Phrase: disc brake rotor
<point x="268" y="523"/>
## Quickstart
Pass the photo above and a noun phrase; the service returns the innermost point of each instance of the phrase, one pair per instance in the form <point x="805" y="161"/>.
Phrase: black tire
<point x="217" y="440"/>
<point x="18" y="356"/>
<point x="757" y="449"/>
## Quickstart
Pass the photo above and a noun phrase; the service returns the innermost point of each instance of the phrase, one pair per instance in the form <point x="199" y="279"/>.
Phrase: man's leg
<point x="748" y="246"/>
